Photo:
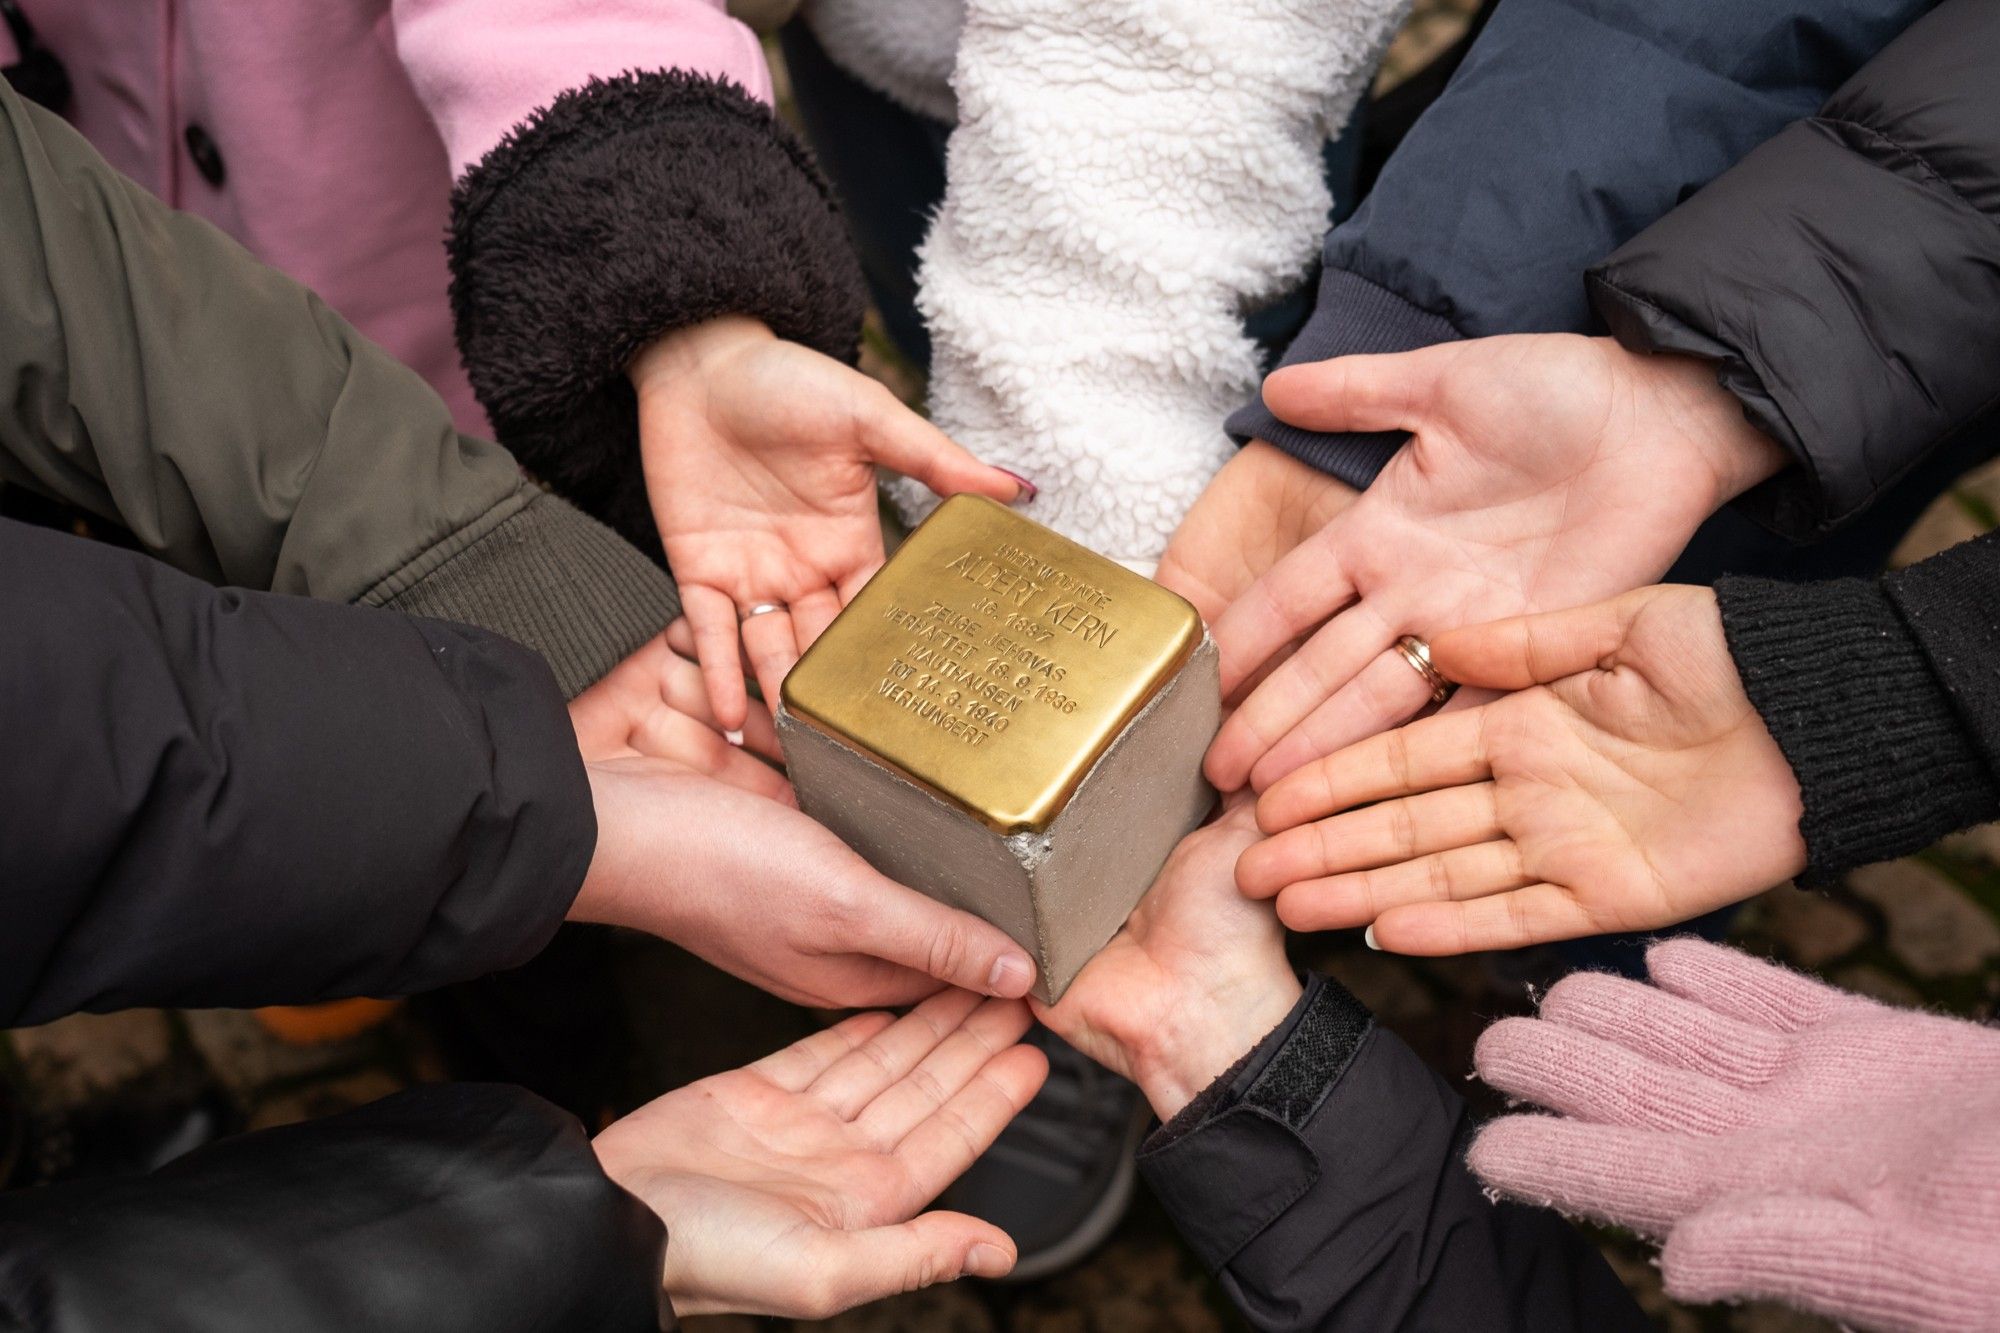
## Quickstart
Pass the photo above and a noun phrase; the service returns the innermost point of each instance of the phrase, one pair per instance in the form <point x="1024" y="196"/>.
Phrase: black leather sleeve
<point x="450" y="1209"/>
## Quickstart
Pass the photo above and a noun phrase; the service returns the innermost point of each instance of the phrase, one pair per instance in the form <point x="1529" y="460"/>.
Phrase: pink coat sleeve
<point x="483" y="66"/>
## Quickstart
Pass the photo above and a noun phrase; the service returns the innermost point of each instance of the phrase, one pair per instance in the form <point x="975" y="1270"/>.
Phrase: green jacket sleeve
<point x="155" y="374"/>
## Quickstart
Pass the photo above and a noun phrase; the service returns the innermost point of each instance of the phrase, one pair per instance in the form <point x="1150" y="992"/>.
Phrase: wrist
<point x="1692" y="407"/>
<point x="680" y="356"/>
<point x="1194" y="1050"/>
<point x="630" y="1171"/>
<point x="616" y="890"/>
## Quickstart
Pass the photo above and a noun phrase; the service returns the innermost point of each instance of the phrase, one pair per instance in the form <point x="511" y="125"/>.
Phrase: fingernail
<point x="988" y="1261"/>
<point x="1011" y="976"/>
<point x="1368" y="938"/>
<point x="1028" y="488"/>
<point x="734" y="737"/>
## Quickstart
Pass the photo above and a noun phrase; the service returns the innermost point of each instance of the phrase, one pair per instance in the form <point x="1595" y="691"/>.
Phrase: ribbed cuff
<point x="1353" y="316"/>
<point x="627" y="209"/>
<point x="1883" y="763"/>
<point x="1949" y="602"/>
<point x="553" y="580"/>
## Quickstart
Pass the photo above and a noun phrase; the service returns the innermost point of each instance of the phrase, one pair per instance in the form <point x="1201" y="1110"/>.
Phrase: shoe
<point x="1059" y="1178"/>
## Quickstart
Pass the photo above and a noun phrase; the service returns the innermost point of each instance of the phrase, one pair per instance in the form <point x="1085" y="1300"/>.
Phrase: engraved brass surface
<point x="992" y="661"/>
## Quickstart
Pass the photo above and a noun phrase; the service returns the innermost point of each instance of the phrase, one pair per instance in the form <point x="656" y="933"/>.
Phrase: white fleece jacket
<point x="1125" y="179"/>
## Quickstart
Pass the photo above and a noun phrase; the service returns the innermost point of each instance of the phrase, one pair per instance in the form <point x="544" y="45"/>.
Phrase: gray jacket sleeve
<point x="1323" y="1180"/>
<point x="154" y="374"/>
<point x="1845" y="276"/>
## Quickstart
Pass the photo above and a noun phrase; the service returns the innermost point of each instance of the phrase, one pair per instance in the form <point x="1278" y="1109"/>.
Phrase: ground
<point x="1924" y="930"/>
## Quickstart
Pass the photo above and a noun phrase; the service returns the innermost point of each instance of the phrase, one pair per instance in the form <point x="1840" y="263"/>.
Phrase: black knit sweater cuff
<point x="1353" y="315"/>
<point x="1883" y="764"/>
<point x="626" y="209"/>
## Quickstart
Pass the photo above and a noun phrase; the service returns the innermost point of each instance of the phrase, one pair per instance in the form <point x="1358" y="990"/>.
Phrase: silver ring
<point x="761" y="609"/>
<point x="1418" y="654"/>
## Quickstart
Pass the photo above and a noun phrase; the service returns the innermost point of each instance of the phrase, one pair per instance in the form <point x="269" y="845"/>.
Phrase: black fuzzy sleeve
<point x="625" y="209"/>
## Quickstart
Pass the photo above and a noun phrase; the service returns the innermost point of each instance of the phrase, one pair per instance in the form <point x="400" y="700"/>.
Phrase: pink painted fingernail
<point x="1028" y="488"/>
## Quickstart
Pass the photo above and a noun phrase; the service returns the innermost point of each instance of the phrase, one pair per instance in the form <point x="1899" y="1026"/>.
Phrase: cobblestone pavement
<point x="1924" y="930"/>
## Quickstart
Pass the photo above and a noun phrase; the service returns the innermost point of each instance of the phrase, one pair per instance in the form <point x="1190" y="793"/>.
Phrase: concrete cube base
<point x="1061" y="892"/>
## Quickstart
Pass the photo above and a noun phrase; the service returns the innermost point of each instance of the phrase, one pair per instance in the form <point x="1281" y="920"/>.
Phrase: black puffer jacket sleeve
<point x="456" y="1209"/>
<point x="1846" y="274"/>
<point x="1324" y="1181"/>
<point x="626" y="209"/>
<point x="217" y="797"/>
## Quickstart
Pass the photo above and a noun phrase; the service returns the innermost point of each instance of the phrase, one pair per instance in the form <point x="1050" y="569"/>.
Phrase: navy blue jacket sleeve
<point x="1845" y="276"/>
<point x="1324" y="1181"/>
<point x="1571" y="126"/>
<point x="217" y="797"/>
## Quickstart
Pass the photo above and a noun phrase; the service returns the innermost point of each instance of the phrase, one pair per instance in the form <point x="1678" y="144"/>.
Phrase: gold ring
<point x="761" y="609"/>
<point x="1418" y="654"/>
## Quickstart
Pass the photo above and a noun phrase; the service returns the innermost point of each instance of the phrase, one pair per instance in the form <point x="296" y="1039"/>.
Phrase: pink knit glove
<point x="1787" y="1140"/>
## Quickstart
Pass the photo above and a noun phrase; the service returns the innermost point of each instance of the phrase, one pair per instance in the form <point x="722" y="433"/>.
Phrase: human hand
<point x="792" y="1186"/>
<point x="1543" y="472"/>
<point x="1628" y="785"/>
<point x="653" y="704"/>
<point x="767" y="894"/>
<point x="1789" y="1141"/>
<point x="1195" y="979"/>
<point x="760" y="458"/>
<point x="1259" y="506"/>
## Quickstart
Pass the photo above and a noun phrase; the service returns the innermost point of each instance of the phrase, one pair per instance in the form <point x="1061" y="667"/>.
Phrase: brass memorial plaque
<point x="992" y="661"/>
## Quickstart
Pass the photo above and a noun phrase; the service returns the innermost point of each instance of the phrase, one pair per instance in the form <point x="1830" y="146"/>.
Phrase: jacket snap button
<point x="207" y="157"/>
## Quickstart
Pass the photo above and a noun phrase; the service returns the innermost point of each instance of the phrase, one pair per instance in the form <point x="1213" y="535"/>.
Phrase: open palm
<point x="1627" y="785"/>
<point x="1543" y="472"/>
<point x="760" y="458"/>
<point x="794" y="1186"/>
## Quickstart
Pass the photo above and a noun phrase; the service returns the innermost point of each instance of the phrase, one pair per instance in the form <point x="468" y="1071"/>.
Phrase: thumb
<point x="953" y="946"/>
<point x="1360" y="393"/>
<point x="1520" y="651"/>
<point x="1820" y="1254"/>
<point x="902" y="441"/>
<point x="854" y="1267"/>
